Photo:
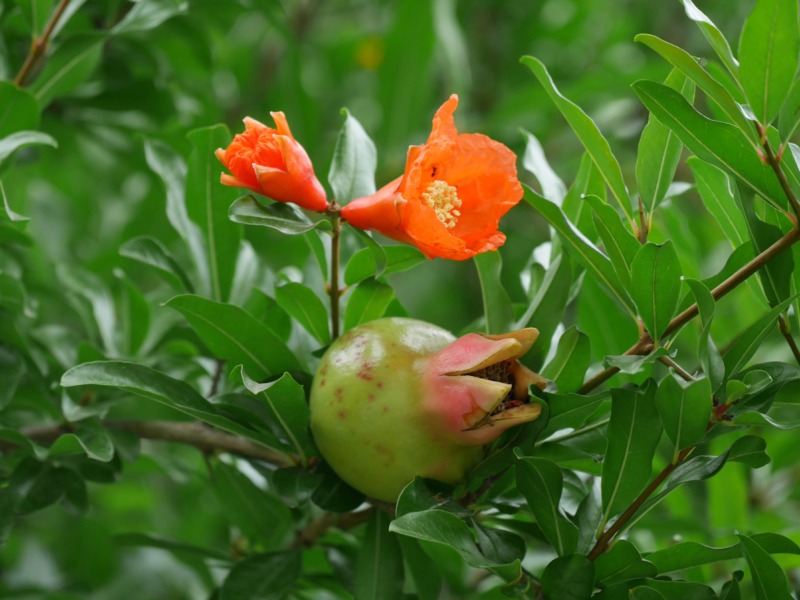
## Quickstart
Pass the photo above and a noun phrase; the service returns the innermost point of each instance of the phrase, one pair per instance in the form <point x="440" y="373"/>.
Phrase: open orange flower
<point x="450" y="199"/>
<point x="271" y="162"/>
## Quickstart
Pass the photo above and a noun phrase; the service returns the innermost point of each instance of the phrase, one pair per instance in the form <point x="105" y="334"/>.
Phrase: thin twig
<point x="333" y="289"/>
<point x="683" y="373"/>
<point x="787" y="334"/>
<point x="775" y="163"/>
<point x="316" y="528"/>
<point x="218" y="370"/>
<point x="39" y="46"/>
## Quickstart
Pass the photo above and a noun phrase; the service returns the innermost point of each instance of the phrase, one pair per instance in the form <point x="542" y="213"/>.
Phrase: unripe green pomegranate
<point x="396" y="398"/>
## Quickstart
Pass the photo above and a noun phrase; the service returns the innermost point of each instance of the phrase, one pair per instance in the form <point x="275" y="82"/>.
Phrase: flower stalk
<point x="39" y="47"/>
<point x="334" y="292"/>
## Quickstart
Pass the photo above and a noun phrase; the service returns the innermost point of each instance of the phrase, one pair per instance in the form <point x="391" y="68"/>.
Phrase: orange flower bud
<point x="450" y="199"/>
<point x="271" y="162"/>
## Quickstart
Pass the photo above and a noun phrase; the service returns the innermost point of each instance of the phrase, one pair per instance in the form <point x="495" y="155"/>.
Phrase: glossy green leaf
<point x="535" y="162"/>
<point x="379" y="566"/>
<point x="718" y="143"/>
<point x="11" y="143"/>
<point x="571" y="361"/>
<point x="305" y="306"/>
<point x="656" y="285"/>
<point x="633" y="434"/>
<point x="234" y="335"/>
<point x="718" y="197"/>
<point x="588" y="181"/>
<point x="398" y="258"/>
<point x="497" y="309"/>
<point x="660" y="151"/>
<point x="569" y="577"/>
<point x="149" y="14"/>
<point x="621" y="563"/>
<point x="280" y="216"/>
<point x="71" y="63"/>
<point x="714" y="36"/>
<point x="768" y="51"/>
<point x="672" y="590"/>
<point x="19" y="110"/>
<point x="769" y="580"/>
<point x="12" y="216"/>
<point x="581" y="249"/>
<point x="268" y="576"/>
<point x="352" y="172"/>
<point x="95" y="440"/>
<point x="571" y="410"/>
<point x="710" y="358"/>
<point x="206" y="200"/>
<point x="618" y="241"/>
<point x="368" y="302"/>
<point x="588" y="133"/>
<point x="541" y="483"/>
<point x="91" y="288"/>
<point x="149" y="251"/>
<point x="684" y="408"/>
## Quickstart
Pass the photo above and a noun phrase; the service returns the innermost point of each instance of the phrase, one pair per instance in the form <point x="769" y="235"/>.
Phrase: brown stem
<point x="643" y="346"/>
<point x="316" y="528"/>
<point x="333" y="290"/>
<point x="39" y="46"/>
<point x="185" y="432"/>
<point x="787" y="334"/>
<point x="775" y="163"/>
<point x="683" y="373"/>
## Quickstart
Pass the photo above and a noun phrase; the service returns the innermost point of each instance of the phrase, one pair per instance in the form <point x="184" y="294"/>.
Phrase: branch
<point x="683" y="373"/>
<point x="184" y="432"/>
<point x="39" y="46"/>
<point x="787" y="334"/>
<point x="333" y="289"/>
<point x="775" y="162"/>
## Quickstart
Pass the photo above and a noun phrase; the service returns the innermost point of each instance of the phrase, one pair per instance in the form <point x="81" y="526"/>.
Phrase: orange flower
<point x="450" y="198"/>
<point x="270" y="162"/>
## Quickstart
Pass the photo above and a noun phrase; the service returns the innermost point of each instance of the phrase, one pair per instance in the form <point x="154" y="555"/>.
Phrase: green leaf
<point x="621" y="563"/>
<point x="259" y="514"/>
<point x="379" y="565"/>
<point x="672" y="590"/>
<point x="12" y="216"/>
<point x="718" y="196"/>
<point x="569" y="577"/>
<point x="280" y="216"/>
<point x="581" y="249"/>
<point x="710" y="358"/>
<point x="236" y="336"/>
<point x="684" y="408"/>
<point x="305" y="306"/>
<point x="656" y="285"/>
<point x="368" y="302"/>
<point x="769" y="580"/>
<point x="149" y="14"/>
<point x="179" y="549"/>
<point x="378" y="253"/>
<point x="206" y="200"/>
<point x="714" y="36"/>
<point x="633" y="434"/>
<point x="542" y="482"/>
<point x="497" y="309"/>
<point x="660" y="151"/>
<point x="19" y="110"/>
<point x="571" y="361"/>
<point x="352" y="173"/>
<point x="134" y="317"/>
<point x="719" y="143"/>
<point x="149" y="251"/>
<point x="398" y="258"/>
<point x="267" y="576"/>
<point x="746" y="345"/>
<point x="715" y="91"/>
<point x="535" y="162"/>
<point x="588" y="133"/>
<point x="424" y="572"/>
<point x="11" y="143"/>
<point x="619" y="243"/>
<point x="95" y="440"/>
<point x="571" y="410"/>
<point x="768" y="51"/>
<point x="70" y="65"/>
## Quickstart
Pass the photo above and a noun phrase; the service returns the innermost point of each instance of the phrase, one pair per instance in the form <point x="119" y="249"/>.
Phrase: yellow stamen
<point x="443" y="199"/>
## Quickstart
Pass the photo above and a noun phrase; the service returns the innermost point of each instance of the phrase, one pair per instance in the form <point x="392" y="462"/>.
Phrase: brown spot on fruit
<point x="342" y="414"/>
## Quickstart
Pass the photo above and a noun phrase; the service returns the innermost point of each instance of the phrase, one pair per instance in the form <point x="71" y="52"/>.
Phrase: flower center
<point x="443" y="199"/>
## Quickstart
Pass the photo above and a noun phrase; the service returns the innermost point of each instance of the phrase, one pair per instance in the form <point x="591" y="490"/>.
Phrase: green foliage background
<point x="101" y="514"/>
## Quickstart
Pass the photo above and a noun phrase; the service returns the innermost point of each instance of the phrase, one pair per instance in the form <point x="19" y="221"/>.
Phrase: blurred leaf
<point x="279" y="216"/>
<point x="422" y="569"/>
<point x="19" y="110"/>
<point x="305" y="306"/>
<point x="334" y="494"/>
<point x="91" y="287"/>
<point x="633" y="434"/>
<point x="398" y="258"/>
<point x="175" y="547"/>
<point x="622" y="562"/>
<point x="710" y="358"/>
<point x="497" y="308"/>
<point x="719" y="143"/>
<point x="568" y="366"/>
<point x="134" y="317"/>
<point x="352" y="172"/>
<point x="619" y="243"/>
<point x="672" y="590"/>
<point x="588" y="133"/>
<point x="368" y="302"/>
<point x="581" y="249"/>
<point x="379" y="566"/>
<point x="719" y="199"/>
<point x="714" y="36"/>
<point x="541" y="483"/>
<point x="149" y="251"/>
<point x="660" y="151"/>
<point x="768" y="53"/>
<point x="95" y="440"/>
<point x="70" y="64"/>
<point x="12" y="369"/>
<point x="268" y="576"/>
<point x="10" y="143"/>
<point x="206" y="200"/>
<point x="12" y="216"/>
<point x="534" y="161"/>
<point x="569" y="577"/>
<point x="730" y="590"/>
<point x="769" y="580"/>
<point x="684" y="408"/>
<point x="149" y="14"/>
<point x="656" y="277"/>
<point x="236" y="336"/>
